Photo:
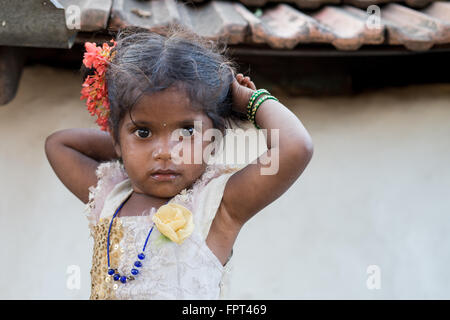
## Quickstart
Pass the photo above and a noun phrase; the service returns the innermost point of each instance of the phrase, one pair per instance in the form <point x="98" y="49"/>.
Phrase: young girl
<point x="164" y="229"/>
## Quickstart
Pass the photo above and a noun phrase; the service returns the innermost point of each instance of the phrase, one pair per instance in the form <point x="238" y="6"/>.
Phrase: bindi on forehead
<point x="164" y="119"/>
<point x="167" y="108"/>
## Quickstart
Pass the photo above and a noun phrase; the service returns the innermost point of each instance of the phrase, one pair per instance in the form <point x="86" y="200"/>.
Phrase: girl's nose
<point x="162" y="153"/>
<point x="163" y="149"/>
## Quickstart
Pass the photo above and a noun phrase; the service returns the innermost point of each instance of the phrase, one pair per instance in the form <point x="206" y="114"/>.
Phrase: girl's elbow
<point x="306" y="147"/>
<point x="309" y="148"/>
<point x="53" y="136"/>
<point x="304" y="152"/>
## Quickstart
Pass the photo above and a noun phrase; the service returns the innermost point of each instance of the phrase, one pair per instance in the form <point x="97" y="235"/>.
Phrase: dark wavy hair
<point x="146" y="62"/>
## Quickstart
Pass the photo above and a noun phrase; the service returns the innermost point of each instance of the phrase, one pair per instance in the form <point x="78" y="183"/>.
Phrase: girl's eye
<point x="142" y="133"/>
<point x="187" y="131"/>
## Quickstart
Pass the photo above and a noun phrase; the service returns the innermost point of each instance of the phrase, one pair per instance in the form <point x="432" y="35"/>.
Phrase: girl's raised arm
<point x="248" y="190"/>
<point x="75" y="154"/>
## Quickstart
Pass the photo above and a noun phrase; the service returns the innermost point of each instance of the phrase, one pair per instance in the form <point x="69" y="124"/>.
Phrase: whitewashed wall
<point x="375" y="193"/>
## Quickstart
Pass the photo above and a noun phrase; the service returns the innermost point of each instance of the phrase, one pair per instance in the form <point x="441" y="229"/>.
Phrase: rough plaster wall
<point x="375" y="193"/>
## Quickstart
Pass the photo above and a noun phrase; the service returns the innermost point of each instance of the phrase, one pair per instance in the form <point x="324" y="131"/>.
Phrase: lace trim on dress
<point x="109" y="174"/>
<point x="112" y="173"/>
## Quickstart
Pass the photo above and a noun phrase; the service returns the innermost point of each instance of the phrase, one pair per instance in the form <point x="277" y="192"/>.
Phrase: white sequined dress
<point x="170" y="271"/>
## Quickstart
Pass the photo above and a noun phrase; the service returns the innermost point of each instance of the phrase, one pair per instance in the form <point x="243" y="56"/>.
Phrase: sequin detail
<point x="100" y="287"/>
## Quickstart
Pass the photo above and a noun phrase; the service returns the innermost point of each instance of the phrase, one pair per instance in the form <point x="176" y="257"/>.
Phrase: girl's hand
<point x="242" y="89"/>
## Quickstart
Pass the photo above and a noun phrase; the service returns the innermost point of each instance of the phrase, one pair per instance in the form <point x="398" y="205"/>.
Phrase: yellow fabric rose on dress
<point x="174" y="221"/>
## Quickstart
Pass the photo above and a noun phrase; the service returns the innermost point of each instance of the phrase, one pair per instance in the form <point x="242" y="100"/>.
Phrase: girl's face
<point x="146" y="145"/>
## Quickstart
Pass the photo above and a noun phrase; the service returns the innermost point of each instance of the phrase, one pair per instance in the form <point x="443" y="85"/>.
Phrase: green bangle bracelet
<point x="256" y="106"/>
<point x="254" y="96"/>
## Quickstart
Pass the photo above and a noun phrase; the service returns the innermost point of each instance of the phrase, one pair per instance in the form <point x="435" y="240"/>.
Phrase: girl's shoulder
<point x="109" y="174"/>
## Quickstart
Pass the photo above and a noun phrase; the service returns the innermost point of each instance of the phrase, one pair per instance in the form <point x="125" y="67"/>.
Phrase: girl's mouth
<point x="164" y="176"/>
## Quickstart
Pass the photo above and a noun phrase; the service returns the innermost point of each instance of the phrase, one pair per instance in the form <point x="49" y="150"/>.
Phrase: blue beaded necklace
<point x="137" y="263"/>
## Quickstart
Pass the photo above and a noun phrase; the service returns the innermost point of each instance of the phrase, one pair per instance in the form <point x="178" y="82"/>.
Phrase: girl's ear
<point x="117" y="148"/>
<point x="116" y="144"/>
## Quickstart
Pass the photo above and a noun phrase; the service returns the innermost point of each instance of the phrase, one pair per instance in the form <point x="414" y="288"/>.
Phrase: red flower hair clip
<point x="94" y="87"/>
